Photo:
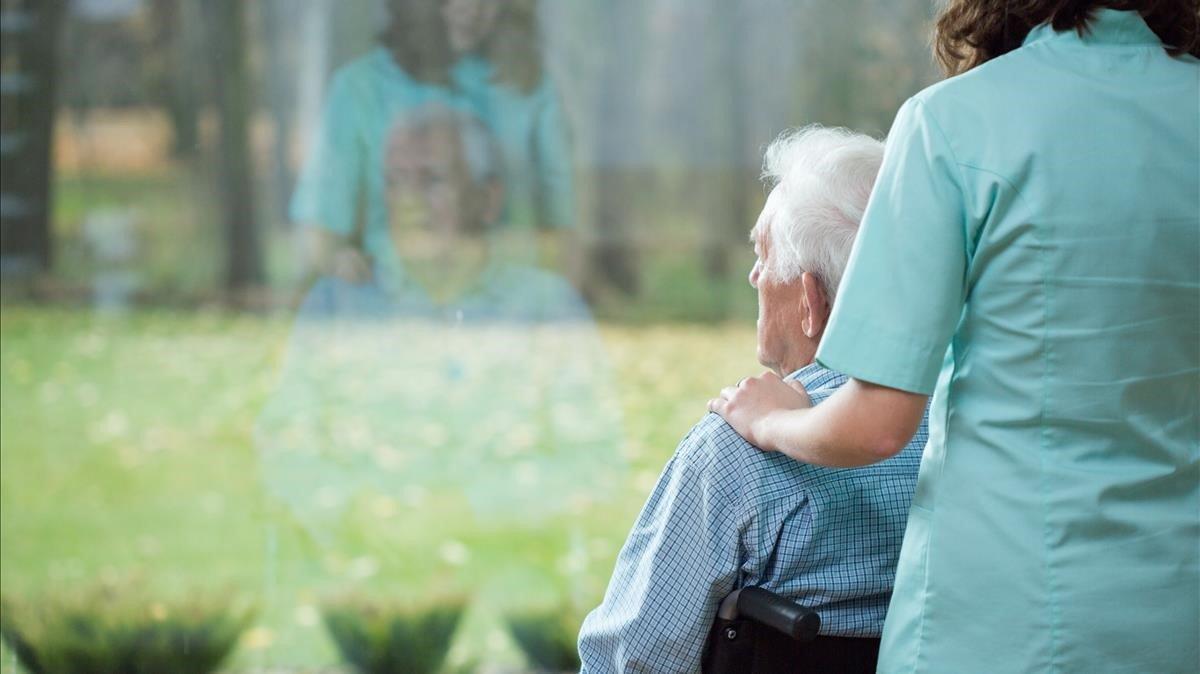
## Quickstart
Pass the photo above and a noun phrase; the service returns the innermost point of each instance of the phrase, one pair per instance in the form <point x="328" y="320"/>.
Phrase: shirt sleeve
<point x="681" y="558"/>
<point x="903" y="291"/>
<point x="328" y="187"/>
<point x="552" y="145"/>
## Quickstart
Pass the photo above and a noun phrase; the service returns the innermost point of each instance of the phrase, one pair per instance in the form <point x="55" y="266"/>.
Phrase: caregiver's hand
<point x="753" y="405"/>
<point x="350" y="264"/>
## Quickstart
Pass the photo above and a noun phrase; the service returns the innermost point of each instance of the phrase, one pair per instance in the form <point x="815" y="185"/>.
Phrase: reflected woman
<point x="473" y="55"/>
<point x="339" y="197"/>
<point x="500" y="72"/>
<point x="1029" y="258"/>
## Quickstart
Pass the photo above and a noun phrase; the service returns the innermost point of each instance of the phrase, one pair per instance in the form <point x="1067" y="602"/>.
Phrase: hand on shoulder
<point x="749" y="406"/>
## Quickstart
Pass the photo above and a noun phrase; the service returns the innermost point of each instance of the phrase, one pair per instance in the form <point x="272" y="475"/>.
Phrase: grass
<point x="176" y="234"/>
<point x="126" y="448"/>
<point x="117" y="629"/>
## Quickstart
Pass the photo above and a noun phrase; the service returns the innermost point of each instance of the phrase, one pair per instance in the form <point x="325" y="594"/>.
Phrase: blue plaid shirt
<point x="726" y="515"/>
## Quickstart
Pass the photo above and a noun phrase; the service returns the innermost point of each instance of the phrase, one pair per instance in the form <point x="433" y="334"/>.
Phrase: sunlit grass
<point x="126" y="447"/>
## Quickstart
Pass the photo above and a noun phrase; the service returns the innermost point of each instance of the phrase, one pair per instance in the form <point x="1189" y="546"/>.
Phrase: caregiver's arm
<point x="860" y="424"/>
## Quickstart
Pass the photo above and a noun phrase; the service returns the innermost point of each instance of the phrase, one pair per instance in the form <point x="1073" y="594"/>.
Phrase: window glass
<point x="322" y="317"/>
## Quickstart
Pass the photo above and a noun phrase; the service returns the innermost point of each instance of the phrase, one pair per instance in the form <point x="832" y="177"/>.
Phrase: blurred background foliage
<point x="381" y="637"/>
<point x="669" y="104"/>
<point x="149" y="149"/>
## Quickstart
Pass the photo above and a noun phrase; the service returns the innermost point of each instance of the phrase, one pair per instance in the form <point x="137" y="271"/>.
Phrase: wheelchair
<point x="759" y="632"/>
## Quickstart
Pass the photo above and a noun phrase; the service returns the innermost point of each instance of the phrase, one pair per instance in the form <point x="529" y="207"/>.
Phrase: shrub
<point x="547" y="638"/>
<point x="384" y="637"/>
<point x="108" y="632"/>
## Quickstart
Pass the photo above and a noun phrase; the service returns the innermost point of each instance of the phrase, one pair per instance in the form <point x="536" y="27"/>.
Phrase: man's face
<point x="431" y="195"/>
<point x="780" y="305"/>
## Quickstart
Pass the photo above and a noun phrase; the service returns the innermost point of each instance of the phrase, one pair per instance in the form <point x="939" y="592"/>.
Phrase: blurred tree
<point x="863" y="58"/>
<point x="613" y="257"/>
<point x="726" y="225"/>
<point x="177" y="75"/>
<point x="279" y="30"/>
<point x="31" y="30"/>
<point x="227" y="42"/>
<point x="832" y="50"/>
<point x="110" y="55"/>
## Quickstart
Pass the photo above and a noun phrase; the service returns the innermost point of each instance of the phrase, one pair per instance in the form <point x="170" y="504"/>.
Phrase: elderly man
<point x="455" y="381"/>
<point x="725" y="515"/>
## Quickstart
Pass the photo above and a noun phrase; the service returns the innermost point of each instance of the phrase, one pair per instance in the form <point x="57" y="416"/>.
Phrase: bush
<point x="547" y="638"/>
<point x="382" y="637"/>
<point x="109" y="632"/>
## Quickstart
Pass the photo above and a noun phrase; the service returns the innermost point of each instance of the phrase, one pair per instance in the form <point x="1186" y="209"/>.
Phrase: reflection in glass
<point x="190" y="405"/>
<point x="477" y="56"/>
<point x="451" y="392"/>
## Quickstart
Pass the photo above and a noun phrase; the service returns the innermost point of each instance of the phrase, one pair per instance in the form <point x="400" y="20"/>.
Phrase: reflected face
<point x="469" y="22"/>
<point x="780" y="305"/>
<point x="430" y="192"/>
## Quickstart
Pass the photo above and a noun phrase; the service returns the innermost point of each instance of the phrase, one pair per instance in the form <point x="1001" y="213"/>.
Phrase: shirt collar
<point x="1107" y="27"/>
<point x="484" y="296"/>
<point x="815" y="376"/>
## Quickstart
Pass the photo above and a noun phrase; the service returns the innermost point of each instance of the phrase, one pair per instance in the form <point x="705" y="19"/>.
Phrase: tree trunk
<point x="227" y="33"/>
<point x="174" y="80"/>
<point x="281" y="23"/>
<point x="727" y="226"/>
<point x="613" y="258"/>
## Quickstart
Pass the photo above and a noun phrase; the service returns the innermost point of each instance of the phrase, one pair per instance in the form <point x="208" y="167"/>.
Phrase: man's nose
<point x="754" y="273"/>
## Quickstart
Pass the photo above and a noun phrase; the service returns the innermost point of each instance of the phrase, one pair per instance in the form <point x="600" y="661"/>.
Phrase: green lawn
<point x="126" y="452"/>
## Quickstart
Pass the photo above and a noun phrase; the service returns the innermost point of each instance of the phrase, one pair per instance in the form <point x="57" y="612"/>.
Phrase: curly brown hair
<point x="971" y="32"/>
<point x="416" y="36"/>
<point x="514" y="46"/>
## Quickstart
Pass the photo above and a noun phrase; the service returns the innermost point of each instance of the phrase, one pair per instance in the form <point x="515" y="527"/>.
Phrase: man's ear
<point x="816" y="306"/>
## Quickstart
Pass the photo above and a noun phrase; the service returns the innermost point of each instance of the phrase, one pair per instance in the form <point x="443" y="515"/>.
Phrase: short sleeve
<point x="553" y="148"/>
<point x="903" y="290"/>
<point x="328" y="187"/>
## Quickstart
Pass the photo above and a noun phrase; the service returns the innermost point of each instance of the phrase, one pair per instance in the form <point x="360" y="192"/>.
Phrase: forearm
<point x="319" y="243"/>
<point x="859" y="425"/>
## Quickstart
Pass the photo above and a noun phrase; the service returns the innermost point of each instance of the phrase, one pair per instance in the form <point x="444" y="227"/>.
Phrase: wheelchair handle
<point x="781" y="614"/>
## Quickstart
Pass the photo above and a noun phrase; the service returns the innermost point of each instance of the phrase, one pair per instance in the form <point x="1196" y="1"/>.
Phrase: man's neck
<point x="802" y="355"/>
<point x="785" y="372"/>
<point x="448" y="275"/>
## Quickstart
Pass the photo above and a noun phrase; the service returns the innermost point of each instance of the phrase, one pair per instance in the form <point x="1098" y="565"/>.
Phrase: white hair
<point x="822" y="178"/>
<point x="479" y="148"/>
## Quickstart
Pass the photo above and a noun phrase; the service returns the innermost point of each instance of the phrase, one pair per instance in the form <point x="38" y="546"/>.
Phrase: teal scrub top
<point x="1031" y="256"/>
<point x="532" y="133"/>
<point x="342" y="182"/>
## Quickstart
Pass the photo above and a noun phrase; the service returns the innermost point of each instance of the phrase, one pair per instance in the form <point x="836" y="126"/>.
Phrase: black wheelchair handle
<point x="781" y="614"/>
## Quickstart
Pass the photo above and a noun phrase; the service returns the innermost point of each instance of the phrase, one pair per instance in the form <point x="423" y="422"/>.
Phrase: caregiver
<point x="1030" y="256"/>
<point x="479" y="56"/>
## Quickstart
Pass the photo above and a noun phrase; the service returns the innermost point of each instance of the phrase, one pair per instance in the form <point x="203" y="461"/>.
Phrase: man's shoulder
<point x="731" y="464"/>
<point x="713" y="443"/>
<point x="332" y="297"/>
<point x="727" y="461"/>
<point x="539" y="295"/>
